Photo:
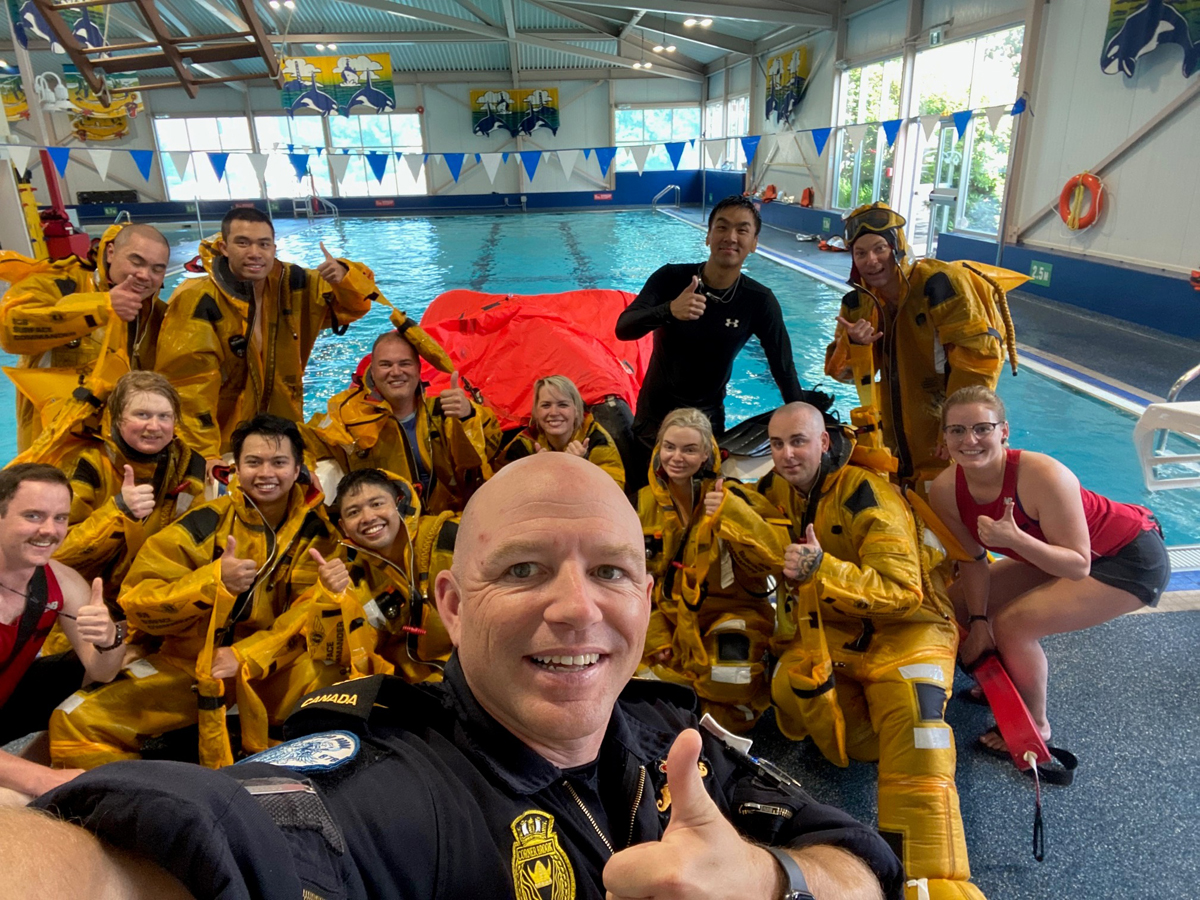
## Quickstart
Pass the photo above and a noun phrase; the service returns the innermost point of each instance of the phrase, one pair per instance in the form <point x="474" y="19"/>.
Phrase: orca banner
<point x="1138" y="27"/>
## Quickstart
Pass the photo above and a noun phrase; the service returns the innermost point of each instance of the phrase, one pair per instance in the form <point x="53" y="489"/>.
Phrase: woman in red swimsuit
<point x="1074" y="558"/>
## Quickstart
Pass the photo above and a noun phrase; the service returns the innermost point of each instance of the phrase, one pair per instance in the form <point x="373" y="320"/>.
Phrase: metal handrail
<point x="1180" y="383"/>
<point x="332" y="207"/>
<point x="127" y="217"/>
<point x="663" y="193"/>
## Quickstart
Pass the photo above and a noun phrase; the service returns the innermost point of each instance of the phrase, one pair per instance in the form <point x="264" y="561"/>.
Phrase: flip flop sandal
<point x="972" y="695"/>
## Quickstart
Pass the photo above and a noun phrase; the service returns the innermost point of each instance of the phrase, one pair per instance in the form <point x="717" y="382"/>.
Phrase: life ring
<point x="1070" y="201"/>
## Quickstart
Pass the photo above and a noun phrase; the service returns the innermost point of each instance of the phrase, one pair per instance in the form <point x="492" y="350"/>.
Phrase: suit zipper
<point x="637" y="801"/>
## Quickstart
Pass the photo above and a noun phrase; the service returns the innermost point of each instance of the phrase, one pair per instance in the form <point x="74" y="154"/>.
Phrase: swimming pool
<point x="415" y="259"/>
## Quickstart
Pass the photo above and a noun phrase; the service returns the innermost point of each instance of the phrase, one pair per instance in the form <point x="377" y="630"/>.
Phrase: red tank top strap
<point x="17" y="660"/>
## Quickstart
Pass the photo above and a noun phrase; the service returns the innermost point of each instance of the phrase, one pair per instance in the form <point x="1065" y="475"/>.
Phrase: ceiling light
<point x="3" y="63"/>
<point x="670" y="48"/>
<point x="637" y="65"/>
<point x="647" y="64"/>
<point x="320" y="46"/>
<point x="274" y="4"/>
<point x="659" y="48"/>
<point x="689" y="22"/>
<point x="704" y="23"/>
<point x="291" y="4"/>
<point x="333" y="46"/>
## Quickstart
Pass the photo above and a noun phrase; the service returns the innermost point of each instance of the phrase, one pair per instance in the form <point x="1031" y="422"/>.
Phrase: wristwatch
<point x="797" y="887"/>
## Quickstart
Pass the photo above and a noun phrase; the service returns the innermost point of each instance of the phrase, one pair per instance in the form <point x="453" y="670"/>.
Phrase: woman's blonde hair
<point x="565" y="386"/>
<point x="140" y="382"/>
<point x="974" y="393"/>
<point x="687" y="417"/>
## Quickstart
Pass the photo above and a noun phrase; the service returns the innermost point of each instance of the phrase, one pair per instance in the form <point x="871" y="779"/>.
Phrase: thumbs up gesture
<point x="138" y="498"/>
<point x="333" y="573"/>
<point x="714" y="497"/>
<point x="126" y="299"/>
<point x="94" y="621"/>
<point x="1002" y="532"/>
<point x="577" y="448"/>
<point x="455" y="401"/>
<point x="700" y="854"/>
<point x="801" y="560"/>
<point x="330" y="269"/>
<point x="689" y="305"/>
<point x="236" y="574"/>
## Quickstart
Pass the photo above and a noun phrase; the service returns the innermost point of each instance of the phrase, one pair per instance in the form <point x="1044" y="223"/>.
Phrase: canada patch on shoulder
<point x="541" y="869"/>
<point x="313" y="753"/>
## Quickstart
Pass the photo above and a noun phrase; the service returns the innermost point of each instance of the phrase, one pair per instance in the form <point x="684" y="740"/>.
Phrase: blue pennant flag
<point x="291" y="148"/>
<point x="891" y="128"/>
<point x="675" y="151"/>
<point x="478" y="158"/>
<point x="750" y="147"/>
<point x="587" y="152"/>
<point x="821" y="138"/>
<point x="604" y="156"/>
<point x="504" y="157"/>
<point x="454" y="162"/>
<point x="961" y="118"/>
<point x="530" y="159"/>
<point x="218" y="162"/>
<point x="61" y="156"/>
<point x="399" y="155"/>
<point x="1018" y="107"/>
<point x="299" y="163"/>
<point x="144" y="159"/>
<point x="378" y="163"/>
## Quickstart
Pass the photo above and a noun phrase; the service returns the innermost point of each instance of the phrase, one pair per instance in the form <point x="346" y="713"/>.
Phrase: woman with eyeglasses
<point x="1073" y="558"/>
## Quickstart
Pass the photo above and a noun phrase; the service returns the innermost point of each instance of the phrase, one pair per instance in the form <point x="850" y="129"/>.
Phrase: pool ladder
<point x="304" y="206"/>
<point x="663" y="193"/>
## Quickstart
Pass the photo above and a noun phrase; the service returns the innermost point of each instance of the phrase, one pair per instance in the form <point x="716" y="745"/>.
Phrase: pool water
<point x="416" y="259"/>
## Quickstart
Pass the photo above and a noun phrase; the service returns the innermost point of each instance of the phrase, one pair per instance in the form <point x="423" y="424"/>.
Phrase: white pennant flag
<point x="415" y="161"/>
<point x="180" y="159"/>
<point x="101" y="160"/>
<point x="491" y="164"/>
<point x="20" y="156"/>
<point x="715" y="151"/>
<point x="639" y="155"/>
<point x="568" y="158"/>
<point x="994" y="115"/>
<point x="856" y="133"/>
<point x="338" y="163"/>
<point x="928" y="123"/>
<point x="258" y="161"/>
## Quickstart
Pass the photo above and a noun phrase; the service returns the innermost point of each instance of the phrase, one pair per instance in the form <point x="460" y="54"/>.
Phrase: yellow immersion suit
<point x="380" y="625"/>
<point x="359" y="431"/>
<point x="945" y="333"/>
<point x="600" y="449"/>
<point x="711" y="606"/>
<point x="876" y="604"/>
<point x="174" y="590"/>
<point x="55" y="318"/>
<point x="230" y="359"/>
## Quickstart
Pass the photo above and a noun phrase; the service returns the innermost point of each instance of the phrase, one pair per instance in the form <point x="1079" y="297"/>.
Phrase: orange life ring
<point x="1070" y="201"/>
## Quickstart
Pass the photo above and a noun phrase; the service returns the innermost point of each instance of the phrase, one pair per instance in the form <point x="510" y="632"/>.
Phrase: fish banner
<point x="787" y="79"/>
<point x="123" y="97"/>
<point x="324" y="85"/>
<point x="88" y="24"/>
<point x="12" y="95"/>
<point x="1138" y="27"/>
<point x="514" y="111"/>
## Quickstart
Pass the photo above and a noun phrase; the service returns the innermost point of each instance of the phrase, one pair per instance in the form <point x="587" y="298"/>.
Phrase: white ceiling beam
<point x="756" y="11"/>
<point x="422" y="37"/>
<point x="478" y="13"/>
<point x="514" y="62"/>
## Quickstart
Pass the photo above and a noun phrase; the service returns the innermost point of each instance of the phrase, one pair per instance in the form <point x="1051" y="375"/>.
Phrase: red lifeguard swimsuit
<point x="15" y="661"/>
<point x="1111" y="525"/>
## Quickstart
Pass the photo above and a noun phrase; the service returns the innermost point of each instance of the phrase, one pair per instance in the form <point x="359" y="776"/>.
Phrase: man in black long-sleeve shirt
<point x="702" y="315"/>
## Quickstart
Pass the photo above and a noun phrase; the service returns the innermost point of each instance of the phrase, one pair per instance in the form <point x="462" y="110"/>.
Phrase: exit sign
<point x="826" y="224"/>
<point x="1039" y="272"/>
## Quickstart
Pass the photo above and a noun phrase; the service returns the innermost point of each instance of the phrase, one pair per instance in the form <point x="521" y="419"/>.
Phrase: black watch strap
<point x="797" y="887"/>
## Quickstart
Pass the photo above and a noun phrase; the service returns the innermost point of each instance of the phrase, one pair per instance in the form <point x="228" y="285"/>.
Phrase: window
<point x="280" y="135"/>
<point x="395" y="133"/>
<point x="634" y="127"/>
<point x="195" y="136"/>
<point x="737" y="116"/>
<point x="870" y="94"/>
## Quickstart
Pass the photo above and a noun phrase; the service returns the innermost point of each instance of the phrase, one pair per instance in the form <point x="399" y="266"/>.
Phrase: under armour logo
<point x="731" y="323"/>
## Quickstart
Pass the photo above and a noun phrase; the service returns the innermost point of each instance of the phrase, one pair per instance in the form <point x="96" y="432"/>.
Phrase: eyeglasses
<point x="979" y="429"/>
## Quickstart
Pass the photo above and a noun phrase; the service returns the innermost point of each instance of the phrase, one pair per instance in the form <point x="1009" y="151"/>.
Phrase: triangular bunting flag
<point x="101" y="160"/>
<point x="715" y="150"/>
<point x="604" y="158"/>
<point x="820" y="137"/>
<point x="928" y="123"/>
<point x="378" y="163"/>
<point x="180" y="159"/>
<point x="750" y="147"/>
<point x="491" y="163"/>
<point x="530" y="159"/>
<point x="299" y="163"/>
<point x="567" y="159"/>
<point x="19" y="154"/>
<point x="1018" y="107"/>
<point x="291" y="148"/>
<point x="504" y="156"/>
<point x="891" y="128"/>
<point x="319" y="149"/>
<point x="961" y="118"/>
<point x="856" y="133"/>
<point x="994" y="115"/>
<point x="414" y="162"/>
<point x="61" y="156"/>
<point x="639" y="154"/>
<point x="338" y="163"/>
<point x="258" y="161"/>
<point x="587" y="152"/>
<point x="454" y="162"/>
<point x="675" y="151"/>
<point x="219" y="161"/>
<point x="144" y="160"/>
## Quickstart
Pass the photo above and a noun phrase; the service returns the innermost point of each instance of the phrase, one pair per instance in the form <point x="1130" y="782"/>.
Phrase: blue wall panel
<point x="719" y="184"/>
<point x="802" y="219"/>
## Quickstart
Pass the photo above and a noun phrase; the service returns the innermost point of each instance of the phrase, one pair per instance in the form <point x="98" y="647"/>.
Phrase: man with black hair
<point x="236" y="342"/>
<point x="221" y="586"/>
<point x="702" y="315"/>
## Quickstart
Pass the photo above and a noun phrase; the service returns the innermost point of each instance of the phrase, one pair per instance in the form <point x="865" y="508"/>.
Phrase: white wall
<point x="1152" y="213"/>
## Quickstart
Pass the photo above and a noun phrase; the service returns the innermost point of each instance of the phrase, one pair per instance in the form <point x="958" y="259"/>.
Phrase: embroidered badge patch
<point x="541" y="870"/>
<point x="315" y="753"/>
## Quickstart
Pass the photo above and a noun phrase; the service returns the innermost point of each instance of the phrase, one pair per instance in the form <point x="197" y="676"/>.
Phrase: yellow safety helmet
<point x="877" y="218"/>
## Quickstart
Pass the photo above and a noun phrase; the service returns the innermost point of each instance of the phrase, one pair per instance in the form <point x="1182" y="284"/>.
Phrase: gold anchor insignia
<point x="541" y="869"/>
<point x="664" y="796"/>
